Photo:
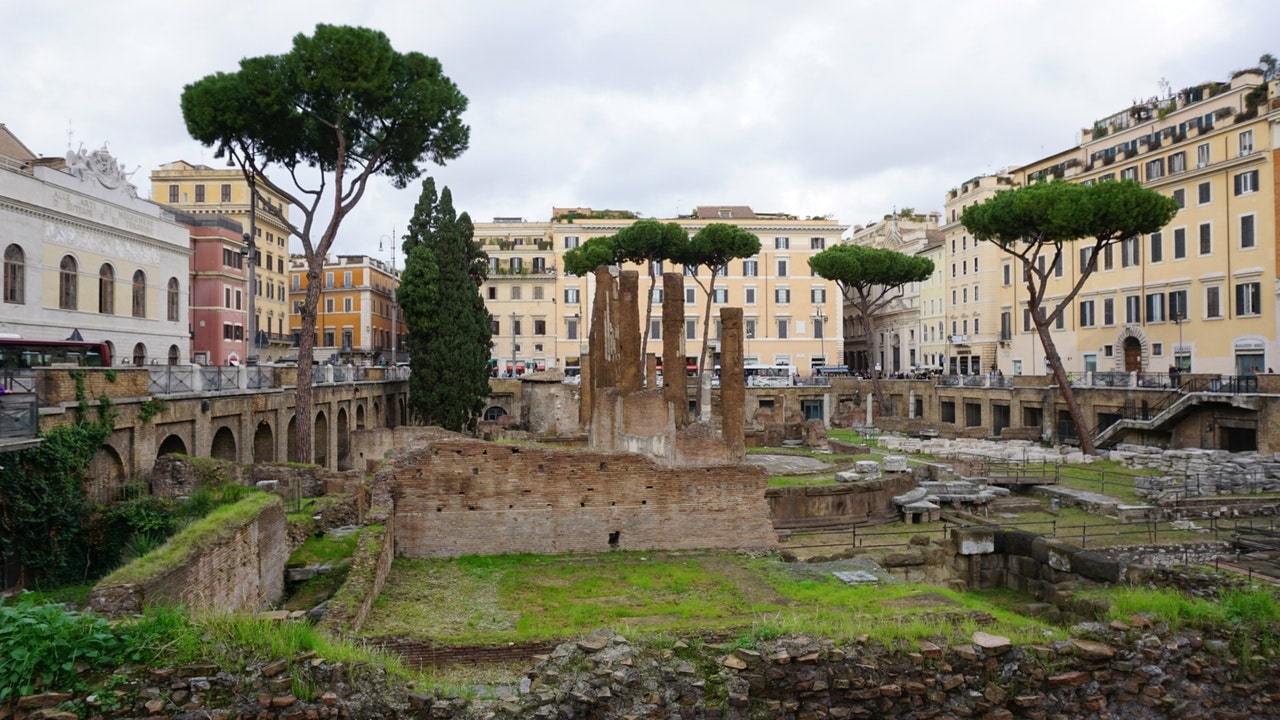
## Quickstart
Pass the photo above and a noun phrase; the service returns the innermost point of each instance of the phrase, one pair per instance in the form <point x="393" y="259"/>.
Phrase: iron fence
<point x="19" y="415"/>
<point x="19" y="380"/>
<point x="171" y="379"/>
<point x="258" y="377"/>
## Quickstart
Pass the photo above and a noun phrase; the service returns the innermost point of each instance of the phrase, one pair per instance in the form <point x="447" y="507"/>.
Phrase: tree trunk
<point x="1064" y="385"/>
<point x="306" y="353"/>
<point x="706" y="339"/>
<point x="648" y="321"/>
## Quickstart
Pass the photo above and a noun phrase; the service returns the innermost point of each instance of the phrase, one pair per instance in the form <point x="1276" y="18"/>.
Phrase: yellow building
<point x="200" y="189"/>
<point x="354" y="317"/>
<point x="540" y="315"/>
<point x="933" y="305"/>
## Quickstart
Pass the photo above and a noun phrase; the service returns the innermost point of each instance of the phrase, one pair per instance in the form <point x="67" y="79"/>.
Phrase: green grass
<point x="1251" y="617"/>
<point x="517" y="598"/>
<point x="74" y="595"/>
<point x="194" y="537"/>
<point x="313" y="591"/>
<point x="325" y="549"/>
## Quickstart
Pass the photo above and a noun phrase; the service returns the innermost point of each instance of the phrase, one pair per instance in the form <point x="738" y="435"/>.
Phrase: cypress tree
<point x="448" y="326"/>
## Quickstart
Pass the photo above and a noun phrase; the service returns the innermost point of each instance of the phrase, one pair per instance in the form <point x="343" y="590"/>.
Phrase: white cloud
<point x="812" y="108"/>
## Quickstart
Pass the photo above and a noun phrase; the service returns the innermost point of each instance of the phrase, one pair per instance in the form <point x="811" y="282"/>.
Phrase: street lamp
<point x="822" y="336"/>
<point x="513" y="344"/>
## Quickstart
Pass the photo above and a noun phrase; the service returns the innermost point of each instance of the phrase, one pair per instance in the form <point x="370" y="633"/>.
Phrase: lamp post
<point x="822" y="336"/>
<point x="513" y="344"/>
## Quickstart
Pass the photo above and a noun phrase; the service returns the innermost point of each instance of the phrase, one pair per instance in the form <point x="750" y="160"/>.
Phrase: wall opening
<point x="172" y="445"/>
<point x="224" y="445"/>
<point x="264" y="443"/>
<point x="614" y="538"/>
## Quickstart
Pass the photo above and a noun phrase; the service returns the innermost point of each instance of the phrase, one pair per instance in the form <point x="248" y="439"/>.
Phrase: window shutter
<point x="1238" y="182"/>
<point x="1239" y="299"/>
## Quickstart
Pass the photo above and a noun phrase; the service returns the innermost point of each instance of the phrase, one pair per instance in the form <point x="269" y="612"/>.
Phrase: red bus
<point x="23" y="353"/>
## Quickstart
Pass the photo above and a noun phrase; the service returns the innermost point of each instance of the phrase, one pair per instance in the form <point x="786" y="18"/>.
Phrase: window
<point x="781" y="243"/>
<point x="200" y="193"/>
<point x="1086" y="257"/>
<point x="818" y="328"/>
<point x="537" y="292"/>
<point x="1130" y="252"/>
<point x="106" y="289"/>
<point x="1180" y="197"/>
<point x="495" y="327"/>
<point x="1026" y="321"/>
<point x="1155" y="169"/>
<point x="1177" y="163"/>
<point x="539" y="327"/>
<point x="1246" y="142"/>
<point x="346" y="279"/>
<point x="1246" y="182"/>
<point x="782" y="296"/>
<point x="1202" y="155"/>
<point x="571" y="296"/>
<point x="1086" y="313"/>
<point x="1129" y="173"/>
<point x="1157" y="247"/>
<point x="1109" y="311"/>
<point x="1132" y="309"/>
<point x="690" y="296"/>
<point x="173" y="193"/>
<point x="516" y="327"/>
<point x="690" y="329"/>
<point x="749" y="296"/>
<point x="328" y="280"/>
<point x="492" y="292"/>
<point x="1179" y="243"/>
<point x="172" y="303"/>
<point x="720" y="295"/>
<point x="1206" y="238"/>
<point x="782" y="268"/>
<point x="226" y="298"/>
<point x="539" y="265"/>
<point x="1108" y="350"/>
<point x="515" y="265"/>
<point x="1155" y="307"/>
<point x="1058" y="323"/>
<point x="1006" y="320"/>
<point x="782" y="328"/>
<point x="297" y="282"/>
<point x="818" y="295"/>
<point x="750" y="268"/>
<point x="328" y="305"/>
<point x="346" y="304"/>
<point x="1177" y="304"/>
<point x="1157" y="349"/>
<point x="817" y="243"/>
<point x="516" y="292"/>
<point x="1213" y="302"/>
<point x="1108" y="257"/>
<point x="655" y="329"/>
<point x="226" y="192"/>
<point x="1247" y="239"/>
<point x="1204" y="193"/>
<point x="1249" y="298"/>
<point x="570" y="242"/>
<point x="964" y="295"/>
<point x="14" y="275"/>
<point x="749" y="328"/>
<point x="1008" y="273"/>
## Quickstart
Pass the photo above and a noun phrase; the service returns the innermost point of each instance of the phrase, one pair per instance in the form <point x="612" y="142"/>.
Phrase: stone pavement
<point x="787" y="464"/>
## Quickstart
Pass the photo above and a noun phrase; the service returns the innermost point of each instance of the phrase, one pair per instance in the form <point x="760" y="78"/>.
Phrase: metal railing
<point x="19" y="415"/>
<point x="214" y="379"/>
<point x="171" y="379"/>
<point x="340" y="373"/>
<point x="258" y="377"/>
<point x="19" y="380"/>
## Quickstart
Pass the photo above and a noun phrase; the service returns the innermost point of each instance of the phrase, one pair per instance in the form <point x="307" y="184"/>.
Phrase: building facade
<point x="540" y="315"/>
<point x="218" y="307"/>
<point x="84" y="256"/>
<point x="899" y="323"/>
<point x="202" y="190"/>
<point x="1199" y="294"/>
<point x="933" y="307"/>
<point x="357" y="318"/>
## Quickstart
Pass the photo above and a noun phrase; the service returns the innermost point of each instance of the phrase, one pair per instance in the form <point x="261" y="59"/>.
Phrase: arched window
<point x="139" y="354"/>
<point x="106" y="289"/>
<point x="173" y="354"/>
<point x="67" y="280"/>
<point x="15" y="275"/>
<point x="139" y="294"/>
<point x="173" y="300"/>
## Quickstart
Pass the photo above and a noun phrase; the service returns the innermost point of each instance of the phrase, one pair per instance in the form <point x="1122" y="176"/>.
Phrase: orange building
<point x="354" y="317"/>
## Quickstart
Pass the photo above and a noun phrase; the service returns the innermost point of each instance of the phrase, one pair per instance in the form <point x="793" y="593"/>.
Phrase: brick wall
<point x="55" y="386"/>
<point x="817" y="506"/>
<point x="365" y="580"/>
<point x="456" y="496"/>
<point x="237" y="568"/>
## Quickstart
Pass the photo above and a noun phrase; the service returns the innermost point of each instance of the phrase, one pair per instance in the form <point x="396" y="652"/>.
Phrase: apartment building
<point x="975" y="325"/>
<point x="218" y="307"/>
<point x="202" y="190"/>
<point x="933" y="304"/>
<point x="357" y="318"/>
<point x="899" y="323"/>
<point x="541" y="315"/>
<point x="1200" y="293"/>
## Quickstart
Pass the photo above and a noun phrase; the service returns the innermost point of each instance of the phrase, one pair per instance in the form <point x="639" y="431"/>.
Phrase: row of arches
<point x="15" y="286"/>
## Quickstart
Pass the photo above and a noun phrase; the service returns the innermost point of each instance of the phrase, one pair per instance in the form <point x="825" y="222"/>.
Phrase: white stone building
<point x="83" y="254"/>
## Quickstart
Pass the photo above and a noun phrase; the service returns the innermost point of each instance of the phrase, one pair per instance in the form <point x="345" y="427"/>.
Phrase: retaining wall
<point x="821" y="506"/>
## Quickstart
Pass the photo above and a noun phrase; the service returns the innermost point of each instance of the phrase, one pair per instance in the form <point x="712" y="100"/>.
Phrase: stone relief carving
<point x="101" y="167"/>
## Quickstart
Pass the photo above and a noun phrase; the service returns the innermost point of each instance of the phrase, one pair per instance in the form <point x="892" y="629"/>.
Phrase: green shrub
<point x="49" y="646"/>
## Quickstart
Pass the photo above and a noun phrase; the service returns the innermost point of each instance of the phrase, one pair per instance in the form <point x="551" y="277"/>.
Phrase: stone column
<point x="584" y="391"/>
<point x="628" y="332"/>
<point x="673" y="375"/>
<point x="602" y="340"/>
<point x="733" y="384"/>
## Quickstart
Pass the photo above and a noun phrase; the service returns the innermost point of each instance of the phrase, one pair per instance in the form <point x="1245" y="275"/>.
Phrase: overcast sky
<point x="813" y="108"/>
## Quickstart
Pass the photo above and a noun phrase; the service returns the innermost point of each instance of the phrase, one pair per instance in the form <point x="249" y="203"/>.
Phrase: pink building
<point x="218" y="302"/>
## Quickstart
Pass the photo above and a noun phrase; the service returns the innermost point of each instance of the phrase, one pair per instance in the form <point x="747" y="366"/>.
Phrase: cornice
<point x="65" y="219"/>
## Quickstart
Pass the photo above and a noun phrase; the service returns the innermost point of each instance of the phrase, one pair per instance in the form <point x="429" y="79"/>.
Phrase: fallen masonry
<point x="1013" y="450"/>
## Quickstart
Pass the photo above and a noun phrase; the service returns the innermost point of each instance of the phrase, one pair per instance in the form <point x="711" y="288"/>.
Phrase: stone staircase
<point x="1168" y="416"/>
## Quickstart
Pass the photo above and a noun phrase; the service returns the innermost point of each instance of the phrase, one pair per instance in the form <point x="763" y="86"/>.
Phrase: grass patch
<point x="518" y="598"/>
<point x="194" y="537"/>
<point x="73" y="595"/>
<point x="313" y="591"/>
<point x="325" y="549"/>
